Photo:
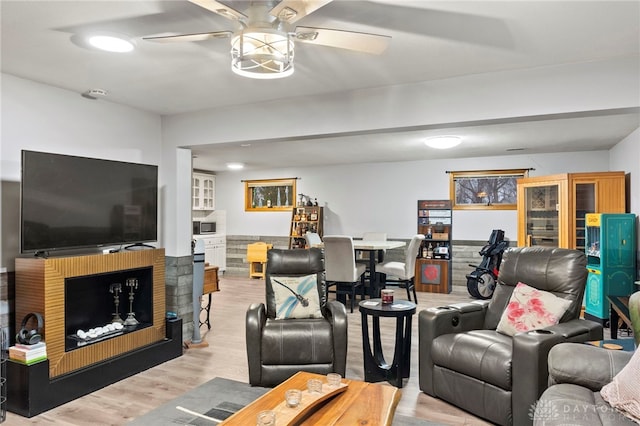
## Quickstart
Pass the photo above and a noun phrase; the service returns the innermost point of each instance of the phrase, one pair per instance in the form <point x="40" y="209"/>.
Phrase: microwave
<point x="204" y="227"/>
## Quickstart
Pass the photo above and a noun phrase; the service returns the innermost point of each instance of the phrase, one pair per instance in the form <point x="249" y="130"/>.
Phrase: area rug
<point x="219" y="398"/>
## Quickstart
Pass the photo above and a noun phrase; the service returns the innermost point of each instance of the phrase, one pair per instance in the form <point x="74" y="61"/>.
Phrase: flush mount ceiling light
<point x="443" y="142"/>
<point x="235" y="166"/>
<point x="111" y="43"/>
<point x="262" y="53"/>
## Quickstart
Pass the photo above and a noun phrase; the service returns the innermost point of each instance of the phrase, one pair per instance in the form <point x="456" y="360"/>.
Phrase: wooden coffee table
<point x="361" y="403"/>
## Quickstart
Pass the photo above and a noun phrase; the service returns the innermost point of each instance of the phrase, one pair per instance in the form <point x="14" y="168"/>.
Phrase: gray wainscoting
<point x="464" y="253"/>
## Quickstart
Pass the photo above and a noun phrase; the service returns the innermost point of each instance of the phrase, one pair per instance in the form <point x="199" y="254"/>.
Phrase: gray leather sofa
<point x="577" y="372"/>
<point x="465" y="361"/>
<point x="279" y="348"/>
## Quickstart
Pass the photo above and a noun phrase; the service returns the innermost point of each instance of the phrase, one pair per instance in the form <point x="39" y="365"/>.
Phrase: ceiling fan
<point x="263" y="45"/>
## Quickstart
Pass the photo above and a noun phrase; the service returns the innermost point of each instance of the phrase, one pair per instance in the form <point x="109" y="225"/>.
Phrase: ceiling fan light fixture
<point x="443" y="142"/>
<point x="262" y="54"/>
<point x="111" y="43"/>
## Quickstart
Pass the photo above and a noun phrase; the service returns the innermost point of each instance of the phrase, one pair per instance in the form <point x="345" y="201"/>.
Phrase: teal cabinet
<point x="610" y="247"/>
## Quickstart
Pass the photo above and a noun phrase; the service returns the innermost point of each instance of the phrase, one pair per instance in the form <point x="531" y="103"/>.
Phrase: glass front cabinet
<point x="203" y="191"/>
<point x="552" y="209"/>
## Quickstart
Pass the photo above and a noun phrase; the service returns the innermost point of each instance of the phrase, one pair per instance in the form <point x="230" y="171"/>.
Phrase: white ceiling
<point x="41" y="41"/>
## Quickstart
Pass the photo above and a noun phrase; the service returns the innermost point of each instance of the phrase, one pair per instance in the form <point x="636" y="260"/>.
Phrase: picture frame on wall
<point x="485" y="189"/>
<point x="269" y="195"/>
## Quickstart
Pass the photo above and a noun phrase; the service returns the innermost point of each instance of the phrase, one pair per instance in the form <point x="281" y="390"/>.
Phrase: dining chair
<point x="402" y="273"/>
<point x="363" y="256"/>
<point x="312" y="239"/>
<point x="341" y="268"/>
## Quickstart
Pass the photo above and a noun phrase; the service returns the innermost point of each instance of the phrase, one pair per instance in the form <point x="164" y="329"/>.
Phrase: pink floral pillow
<point x="531" y="309"/>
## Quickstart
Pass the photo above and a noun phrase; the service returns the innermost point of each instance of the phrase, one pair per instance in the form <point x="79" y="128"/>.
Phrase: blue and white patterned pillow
<point x="293" y="293"/>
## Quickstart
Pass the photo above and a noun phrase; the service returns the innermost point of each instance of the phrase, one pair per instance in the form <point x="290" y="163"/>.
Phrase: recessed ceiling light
<point x="111" y="43"/>
<point x="443" y="142"/>
<point x="235" y="166"/>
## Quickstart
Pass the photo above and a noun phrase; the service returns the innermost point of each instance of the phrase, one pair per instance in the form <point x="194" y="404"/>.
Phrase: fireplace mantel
<point x="40" y="287"/>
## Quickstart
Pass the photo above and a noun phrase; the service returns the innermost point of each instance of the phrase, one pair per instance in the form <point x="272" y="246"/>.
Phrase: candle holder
<point x="116" y="289"/>
<point x="131" y="320"/>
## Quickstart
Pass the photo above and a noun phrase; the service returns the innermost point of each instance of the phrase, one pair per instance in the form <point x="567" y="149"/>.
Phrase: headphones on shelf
<point x="30" y="336"/>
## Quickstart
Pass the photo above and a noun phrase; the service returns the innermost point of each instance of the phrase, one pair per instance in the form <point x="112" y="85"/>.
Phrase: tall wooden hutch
<point x="552" y="209"/>
<point x="433" y="265"/>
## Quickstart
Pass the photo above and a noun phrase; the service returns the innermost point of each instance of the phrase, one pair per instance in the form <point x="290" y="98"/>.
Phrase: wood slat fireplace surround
<point x="40" y="287"/>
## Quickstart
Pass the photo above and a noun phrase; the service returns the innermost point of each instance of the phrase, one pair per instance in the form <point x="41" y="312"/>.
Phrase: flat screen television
<point x="70" y="202"/>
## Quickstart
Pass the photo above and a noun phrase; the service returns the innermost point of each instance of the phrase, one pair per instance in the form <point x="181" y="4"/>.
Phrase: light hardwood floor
<point x="226" y="357"/>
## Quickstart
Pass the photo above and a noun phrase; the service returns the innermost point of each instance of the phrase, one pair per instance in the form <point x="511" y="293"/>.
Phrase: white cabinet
<point x="215" y="250"/>
<point x="203" y="191"/>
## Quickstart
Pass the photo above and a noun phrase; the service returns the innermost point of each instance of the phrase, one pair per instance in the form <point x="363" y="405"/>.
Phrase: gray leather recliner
<point x="577" y="372"/>
<point x="279" y="348"/>
<point x="465" y="361"/>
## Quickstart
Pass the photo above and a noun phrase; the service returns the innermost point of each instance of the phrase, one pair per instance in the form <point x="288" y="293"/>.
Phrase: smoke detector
<point x="94" y="94"/>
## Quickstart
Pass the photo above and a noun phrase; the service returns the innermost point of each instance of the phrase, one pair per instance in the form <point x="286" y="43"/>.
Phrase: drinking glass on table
<point x="292" y="397"/>
<point x="266" y="418"/>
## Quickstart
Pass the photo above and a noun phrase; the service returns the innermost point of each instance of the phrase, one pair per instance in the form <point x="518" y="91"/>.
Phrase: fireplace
<point x="73" y="293"/>
<point x="90" y="305"/>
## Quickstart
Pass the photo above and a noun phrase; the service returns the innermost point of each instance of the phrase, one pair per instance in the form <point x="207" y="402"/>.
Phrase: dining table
<point x="375" y="248"/>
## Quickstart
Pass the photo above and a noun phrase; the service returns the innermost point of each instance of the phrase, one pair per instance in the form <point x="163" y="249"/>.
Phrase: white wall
<point x="44" y="118"/>
<point x="383" y="196"/>
<point x="374" y="192"/>
<point x="41" y="117"/>
<point x="596" y="85"/>
<point x="626" y="156"/>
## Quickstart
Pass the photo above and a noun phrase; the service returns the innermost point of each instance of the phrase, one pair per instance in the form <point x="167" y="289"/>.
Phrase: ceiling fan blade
<point x="190" y="37"/>
<point x="221" y="9"/>
<point x="361" y="42"/>
<point x="292" y="10"/>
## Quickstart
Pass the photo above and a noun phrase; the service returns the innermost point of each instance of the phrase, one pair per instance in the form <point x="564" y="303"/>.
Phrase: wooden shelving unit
<point x="433" y="267"/>
<point x="304" y="219"/>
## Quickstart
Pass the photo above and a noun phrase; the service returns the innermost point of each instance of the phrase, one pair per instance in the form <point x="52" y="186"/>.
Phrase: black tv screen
<point x="70" y="202"/>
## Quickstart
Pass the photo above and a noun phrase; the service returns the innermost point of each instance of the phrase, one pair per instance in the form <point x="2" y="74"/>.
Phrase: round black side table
<point x="376" y="369"/>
